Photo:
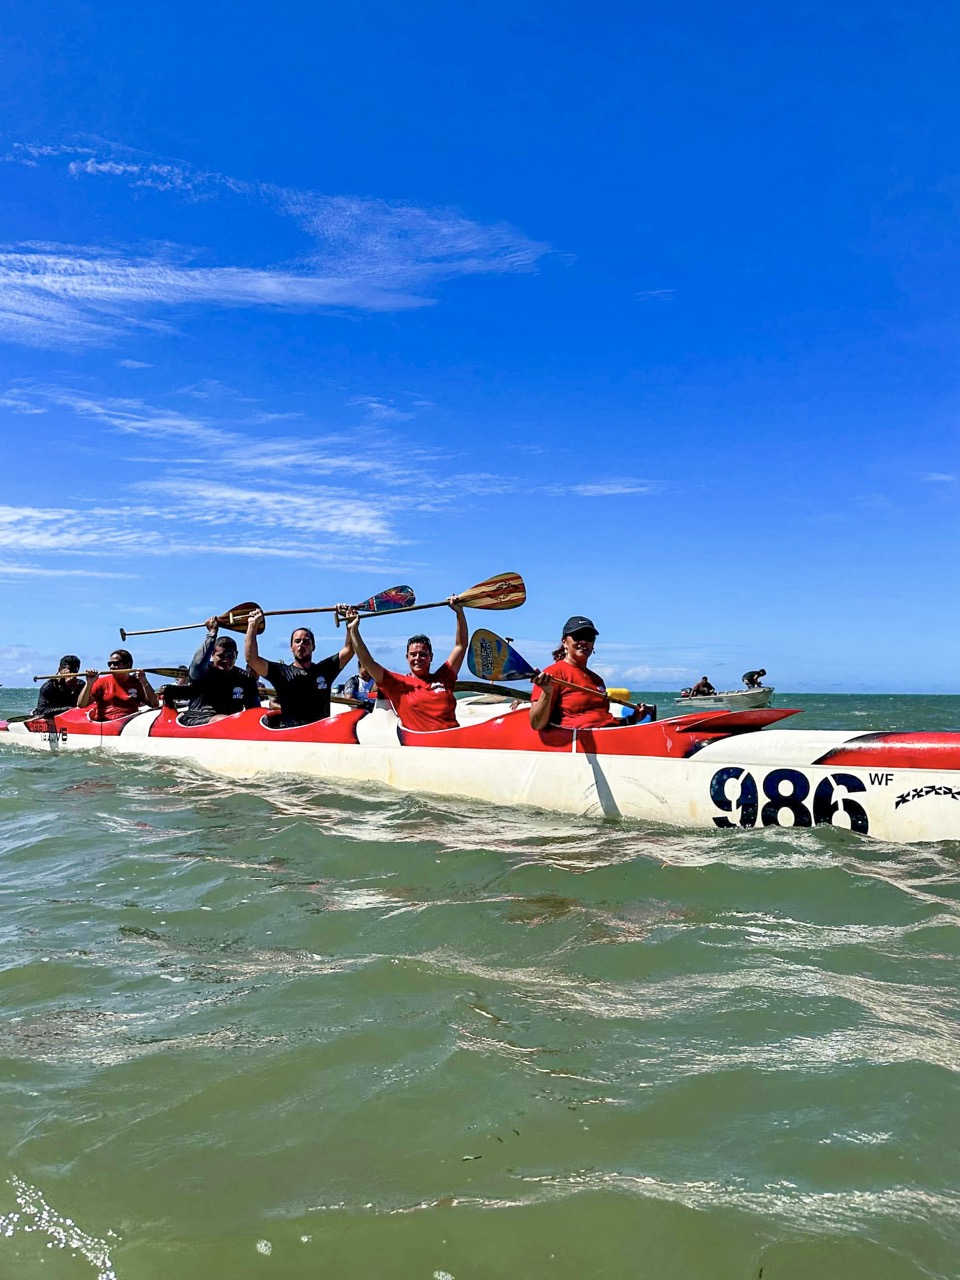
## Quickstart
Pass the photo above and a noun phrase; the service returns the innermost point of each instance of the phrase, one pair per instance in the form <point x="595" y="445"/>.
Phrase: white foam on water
<point x="33" y="1214"/>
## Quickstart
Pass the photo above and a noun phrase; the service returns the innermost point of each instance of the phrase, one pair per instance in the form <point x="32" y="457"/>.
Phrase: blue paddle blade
<point x="491" y="658"/>
<point x="387" y="601"/>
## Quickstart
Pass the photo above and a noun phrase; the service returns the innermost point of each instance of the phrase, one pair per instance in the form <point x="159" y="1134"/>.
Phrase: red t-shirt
<point x="572" y="709"/>
<point x="423" y="704"/>
<point x="113" y="697"/>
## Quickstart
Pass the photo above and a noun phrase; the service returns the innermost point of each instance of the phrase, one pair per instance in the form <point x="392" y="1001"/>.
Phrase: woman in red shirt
<point x="423" y="699"/>
<point x="556" y="704"/>
<point x="115" y="696"/>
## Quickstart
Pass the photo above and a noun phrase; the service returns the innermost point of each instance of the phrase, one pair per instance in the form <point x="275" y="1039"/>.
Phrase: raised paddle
<point x="491" y="658"/>
<point x="388" y="601"/>
<point x="234" y="619"/>
<point x="170" y="673"/>
<point x="503" y="591"/>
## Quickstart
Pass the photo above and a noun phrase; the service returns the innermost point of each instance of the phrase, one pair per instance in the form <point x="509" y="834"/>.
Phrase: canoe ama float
<point x="711" y="769"/>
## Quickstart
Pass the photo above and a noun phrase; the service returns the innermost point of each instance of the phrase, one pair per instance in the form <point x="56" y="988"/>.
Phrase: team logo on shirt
<point x="321" y="682"/>
<point x="237" y="691"/>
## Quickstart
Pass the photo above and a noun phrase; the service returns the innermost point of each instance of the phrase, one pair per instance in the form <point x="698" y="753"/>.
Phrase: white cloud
<point x="611" y="488"/>
<point x="648" y="676"/>
<point x="942" y="477"/>
<point x="134" y="364"/>
<point x="365" y="254"/>
<point x="32" y="571"/>
<point x="306" y="512"/>
<point x="655" y="295"/>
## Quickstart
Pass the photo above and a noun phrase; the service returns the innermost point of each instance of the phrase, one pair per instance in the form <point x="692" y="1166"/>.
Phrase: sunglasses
<point x="114" y="664"/>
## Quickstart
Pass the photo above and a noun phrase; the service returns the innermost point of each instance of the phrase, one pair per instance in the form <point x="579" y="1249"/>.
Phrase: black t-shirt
<point x="56" y="695"/>
<point x="216" y="693"/>
<point x="304" y="695"/>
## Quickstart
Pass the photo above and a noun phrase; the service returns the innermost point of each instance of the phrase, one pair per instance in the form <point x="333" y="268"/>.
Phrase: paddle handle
<point x="155" y="631"/>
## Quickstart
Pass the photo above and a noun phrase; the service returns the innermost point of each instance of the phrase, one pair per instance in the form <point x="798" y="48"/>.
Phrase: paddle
<point x="503" y="591"/>
<point x="234" y="619"/>
<point x="480" y="686"/>
<point x="389" y="601"/>
<point x="170" y="673"/>
<point x="492" y="658"/>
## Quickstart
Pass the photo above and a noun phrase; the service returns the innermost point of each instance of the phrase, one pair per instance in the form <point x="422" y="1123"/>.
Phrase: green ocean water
<point x="286" y="1030"/>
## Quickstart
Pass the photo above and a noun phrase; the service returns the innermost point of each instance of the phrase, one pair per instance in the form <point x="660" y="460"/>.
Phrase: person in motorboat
<point x="302" y="686"/>
<point x="362" y="687"/>
<point x="60" y="693"/>
<point x="423" y="699"/>
<point x="556" y="704"/>
<point x="702" y="689"/>
<point x="215" y="688"/>
<point x="119" y="693"/>
<point x="754" y="679"/>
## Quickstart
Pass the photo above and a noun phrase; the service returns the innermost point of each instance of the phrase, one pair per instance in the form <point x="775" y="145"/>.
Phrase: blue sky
<point x="656" y="306"/>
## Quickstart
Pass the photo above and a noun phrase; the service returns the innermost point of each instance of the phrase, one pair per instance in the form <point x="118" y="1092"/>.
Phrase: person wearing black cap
<point x="60" y="693"/>
<point x="556" y="704"/>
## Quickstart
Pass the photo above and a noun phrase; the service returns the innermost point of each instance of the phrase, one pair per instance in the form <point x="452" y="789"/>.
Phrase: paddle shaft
<point x="156" y="631"/>
<point x="481" y="686"/>
<point x="621" y="702"/>
<point x="114" y="671"/>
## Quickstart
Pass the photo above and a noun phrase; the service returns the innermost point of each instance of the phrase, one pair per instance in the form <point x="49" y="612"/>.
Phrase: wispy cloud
<point x="360" y="253"/>
<point x="939" y="477"/>
<point x="134" y="364"/>
<point x="33" y="571"/>
<point x="655" y="295"/>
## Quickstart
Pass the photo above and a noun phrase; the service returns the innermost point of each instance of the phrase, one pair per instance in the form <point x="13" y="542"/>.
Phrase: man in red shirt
<point x="423" y="700"/>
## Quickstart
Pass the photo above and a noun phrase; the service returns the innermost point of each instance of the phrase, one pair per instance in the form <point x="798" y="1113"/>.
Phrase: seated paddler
<point x="60" y="693"/>
<point x="585" y="705"/>
<point x="422" y="698"/>
<point x="302" y="686"/>
<point x="121" y="692"/>
<point x="702" y="689"/>
<point x="214" y="688"/>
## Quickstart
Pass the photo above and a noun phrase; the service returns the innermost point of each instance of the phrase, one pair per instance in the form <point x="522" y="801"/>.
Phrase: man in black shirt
<point x="215" y="688"/>
<point x="752" y="679"/>
<point x="60" y="693"/>
<point x="303" y="686"/>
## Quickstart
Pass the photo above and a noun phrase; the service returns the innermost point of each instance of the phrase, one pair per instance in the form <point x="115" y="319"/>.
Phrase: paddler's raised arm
<point x="346" y="653"/>
<point x="459" y="650"/>
<point x="364" y="656"/>
<point x="251" y="651"/>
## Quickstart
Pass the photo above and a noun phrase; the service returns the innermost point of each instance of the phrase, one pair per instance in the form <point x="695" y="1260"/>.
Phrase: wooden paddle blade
<point x="387" y="601"/>
<point x="168" y="673"/>
<point x="504" y="591"/>
<point x="236" y="619"/>
<point x="491" y="658"/>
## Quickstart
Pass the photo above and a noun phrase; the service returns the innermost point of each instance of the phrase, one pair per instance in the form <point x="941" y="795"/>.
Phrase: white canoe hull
<point x="732" y="700"/>
<point x="705" y="772"/>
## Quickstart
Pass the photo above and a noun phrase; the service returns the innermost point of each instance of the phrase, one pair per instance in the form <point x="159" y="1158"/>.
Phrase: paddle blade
<point x="387" y="601"/>
<point x="504" y="591"/>
<point x="236" y="619"/>
<point x="491" y="658"/>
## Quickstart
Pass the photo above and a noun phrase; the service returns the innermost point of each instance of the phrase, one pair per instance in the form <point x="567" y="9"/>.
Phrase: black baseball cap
<point x="578" y="623"/>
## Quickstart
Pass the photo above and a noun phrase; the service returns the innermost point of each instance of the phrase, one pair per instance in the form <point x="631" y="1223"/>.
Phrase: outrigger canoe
<point x="713" y="769"/>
